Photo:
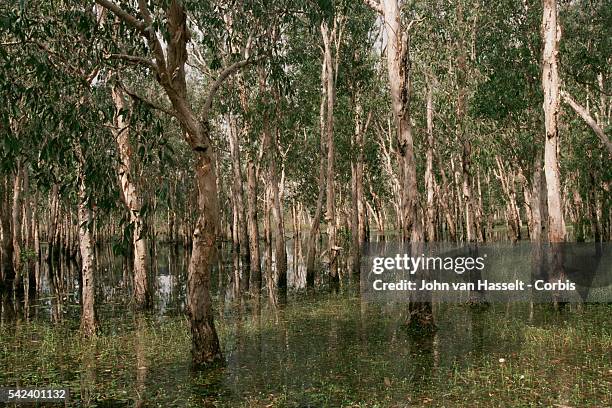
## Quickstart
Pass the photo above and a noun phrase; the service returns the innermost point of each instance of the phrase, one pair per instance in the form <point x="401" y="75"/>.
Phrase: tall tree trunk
<point x="444" y="194"/>
<point x="37" y="250"/>
<point x="592" y="203"/>
<point x="314" y="229"/>
<point x="255" y="275"/>
<point x="130" y="193"/>
<point x="462" y="135"/>
<point x="52" y="224"/>
<point x="429" y="175"/>
<point x="330" y="91"/>
<point x="550" y="85"/>
<point x="506" y="178"/>
<point x="29" y="207"/>
<point x="17" y="233"/>
<point x="280" y="251"/>
<point x="479" y="213"/>
<point x="358" y="232"/>
<point x="398" y="67"/>
<point x="89" y="322"/>
<point x="267" y="226"/>
<point x="467" y="190"/>
<point x="238" y="198"/>
<point x="458" y="201"/>
<point x="536" y="200"/>
<point x="270" y="146"/>
<point x="205" y="342"/>
<point x="8" y="271"/>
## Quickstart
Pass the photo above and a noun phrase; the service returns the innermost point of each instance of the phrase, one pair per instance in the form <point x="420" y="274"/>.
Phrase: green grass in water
<point x="332" y="350"/>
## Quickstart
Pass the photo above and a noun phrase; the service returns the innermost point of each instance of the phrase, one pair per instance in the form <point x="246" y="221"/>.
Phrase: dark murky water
<point x="310" y="351"/>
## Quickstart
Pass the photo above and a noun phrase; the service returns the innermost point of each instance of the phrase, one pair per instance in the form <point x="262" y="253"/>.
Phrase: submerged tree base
<point x="420" y="318"/>
<point x="206" y="363"/>
<point x="205" y="349"/>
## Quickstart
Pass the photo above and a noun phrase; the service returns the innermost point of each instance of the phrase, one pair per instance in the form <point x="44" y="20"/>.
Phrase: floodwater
<point x="308" y="350"/>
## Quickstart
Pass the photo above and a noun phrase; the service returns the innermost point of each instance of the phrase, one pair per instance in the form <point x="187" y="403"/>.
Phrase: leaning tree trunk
<point x="132" y="198"/>
<point x="550" y="85"/>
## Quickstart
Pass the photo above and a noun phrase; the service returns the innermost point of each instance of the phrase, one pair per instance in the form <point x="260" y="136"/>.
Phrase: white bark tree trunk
<point x="89" y="322"/>
<point x="132" y="199"/>
<point x="550" y="85"/>
<point x="330" y="91"/>
<point x="398" y="66"/>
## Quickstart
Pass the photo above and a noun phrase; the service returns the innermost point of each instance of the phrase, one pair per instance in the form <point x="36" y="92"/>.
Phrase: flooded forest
<point x="189" y="191"/>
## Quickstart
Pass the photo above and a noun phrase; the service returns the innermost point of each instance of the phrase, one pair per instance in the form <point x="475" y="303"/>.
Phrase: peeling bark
<point x="133" y="201"/>
<point x="330" y="92"/>
<point x="550" y="85"/>
<point x="89" y="323"/>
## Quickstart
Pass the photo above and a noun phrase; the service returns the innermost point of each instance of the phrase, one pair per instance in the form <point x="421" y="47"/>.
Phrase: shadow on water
<point x="310" y="350"/>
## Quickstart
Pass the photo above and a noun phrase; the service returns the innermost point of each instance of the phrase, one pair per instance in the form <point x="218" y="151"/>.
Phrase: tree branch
<point x="413" y="22"/>
<point x="134" y="59"/>
<point x="122" y="14"/>
<point x="586" y="116"/>
<point x="148" y="102"/>
<point x="374" y="5"/>
<point x="145" y="28"/>
<point x="219" y="81"/>
<point x="144" y="10"/>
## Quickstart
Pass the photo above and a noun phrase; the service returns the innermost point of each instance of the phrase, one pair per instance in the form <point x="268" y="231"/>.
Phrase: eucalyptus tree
<point x="585" y="63"/>
<point x="166" y="30"/>
<point x="507" y="99"/>
<point x="398" y="31"/>
<point x="398" y="67"/>
<point x="360" y="74"/>
<point x="585" y="70"/>
<point x="62" y="134"/>
<point x="551" y="34"/>
<point x="131" y="195"/>
<point x="331" y="34"/>
<point x="331" y="24"/>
